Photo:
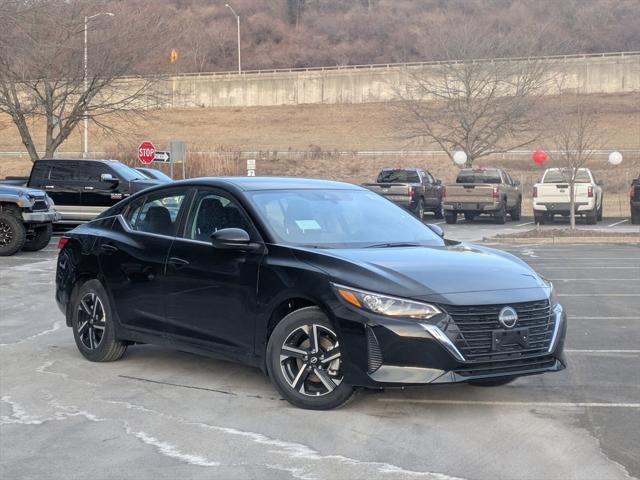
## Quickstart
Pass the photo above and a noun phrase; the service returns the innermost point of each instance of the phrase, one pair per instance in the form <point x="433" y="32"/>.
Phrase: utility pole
<point x="238" y="24"/>
<point x="85" y="148"/>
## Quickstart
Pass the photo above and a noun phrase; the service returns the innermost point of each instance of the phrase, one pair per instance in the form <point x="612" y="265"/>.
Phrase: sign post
<point x="146" y="152"/>
<point x="251" y="167"/>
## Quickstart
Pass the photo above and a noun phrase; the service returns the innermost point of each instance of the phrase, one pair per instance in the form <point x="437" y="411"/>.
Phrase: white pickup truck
<point x="551" y="195"/>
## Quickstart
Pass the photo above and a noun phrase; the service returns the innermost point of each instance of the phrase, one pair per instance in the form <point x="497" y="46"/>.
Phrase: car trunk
<point x="559" y="192"/>
<point x="470" y="192"/>
<point x="392" y="191"/>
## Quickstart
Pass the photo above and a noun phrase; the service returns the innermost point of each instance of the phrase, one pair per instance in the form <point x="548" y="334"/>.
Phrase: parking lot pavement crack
<point x="56" y="326"/>
<point x="298" y="451"/>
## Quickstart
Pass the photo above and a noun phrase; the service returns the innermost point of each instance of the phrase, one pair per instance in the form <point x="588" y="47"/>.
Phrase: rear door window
<point x="157" y="213"/>
<point x="398" y="176"/>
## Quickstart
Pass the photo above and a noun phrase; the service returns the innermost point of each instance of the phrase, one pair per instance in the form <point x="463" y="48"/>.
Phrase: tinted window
<point x="338" y="218"/>
<point x="38" y="174"/>
<point x="157" y="213"/>
<point x="479" y="176"/>
<point x="429" y="177"/>
<point x="212" y="212"/>
<point x="398" y="176"/>
<point x="563" y="176"/>
<point x="64" y="170"/>
<point x="92" y="171"/>
<point x="124" y="172"/>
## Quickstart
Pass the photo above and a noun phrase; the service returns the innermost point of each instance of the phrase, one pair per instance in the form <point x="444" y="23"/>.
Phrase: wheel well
<point x="285" y="308"/>
<point x="81" y="280"/>
<point x="11" y="208"/>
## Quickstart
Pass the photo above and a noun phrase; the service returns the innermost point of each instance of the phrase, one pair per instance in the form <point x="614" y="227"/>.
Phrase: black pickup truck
<point x="634" y="201"/>
<point x="411" y="188"/>
<point x="82" y="189"/>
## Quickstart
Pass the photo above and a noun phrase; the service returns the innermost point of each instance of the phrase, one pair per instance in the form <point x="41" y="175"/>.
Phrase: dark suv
<point x="634" y="201"/>
<point x="82" y="189"/>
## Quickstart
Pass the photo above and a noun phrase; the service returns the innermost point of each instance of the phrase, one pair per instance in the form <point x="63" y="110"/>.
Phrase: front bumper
<point x="44" y="216"/>
<point x="403" y="353"/>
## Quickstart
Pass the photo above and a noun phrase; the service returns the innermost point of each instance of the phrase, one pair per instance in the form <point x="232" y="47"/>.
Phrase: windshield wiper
<point x="394" y="244"/>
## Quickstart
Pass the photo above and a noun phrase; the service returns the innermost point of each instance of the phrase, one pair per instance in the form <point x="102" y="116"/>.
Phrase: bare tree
<point x="468" y="103"/>
<point x="42" y="69"/>
<point x="573" y="144"/>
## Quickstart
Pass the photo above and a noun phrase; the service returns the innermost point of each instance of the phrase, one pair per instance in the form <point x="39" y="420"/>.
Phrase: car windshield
<point x="125" y="172"/>
<point x="339" y="219"/>
<point x="398" y="176"/>
<point x="479" y="176"/>
<point x="562" y="176"/>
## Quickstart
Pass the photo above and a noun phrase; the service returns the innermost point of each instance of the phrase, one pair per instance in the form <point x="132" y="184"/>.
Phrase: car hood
<point x="11" y="190"/>
<point x="142" y="184"/>
<point x="449" y="274"/>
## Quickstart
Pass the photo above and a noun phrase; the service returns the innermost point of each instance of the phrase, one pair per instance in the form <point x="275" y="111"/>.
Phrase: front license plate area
<point x="505" y="338"/>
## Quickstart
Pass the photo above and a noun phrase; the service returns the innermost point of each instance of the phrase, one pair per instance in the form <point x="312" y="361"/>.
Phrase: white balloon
<point x="459" y="157"/>
<point x="615" y="158"/>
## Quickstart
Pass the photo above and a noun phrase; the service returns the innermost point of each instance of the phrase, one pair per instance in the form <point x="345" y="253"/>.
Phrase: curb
<point x="565" y="240"/>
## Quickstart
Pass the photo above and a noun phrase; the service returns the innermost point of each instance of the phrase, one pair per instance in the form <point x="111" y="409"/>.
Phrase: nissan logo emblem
<point x="508" y="317"/>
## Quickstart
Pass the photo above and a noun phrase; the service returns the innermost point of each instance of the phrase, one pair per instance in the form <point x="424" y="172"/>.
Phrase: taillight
<point x="410" y="192"/>
<point x="496" y="192"/>
<point x="444" y="192"/>
<point x="62" y="242"/>
<point x="590" y="192"/>
<point x="535" y="192"/>
<point x="632" y="192"/>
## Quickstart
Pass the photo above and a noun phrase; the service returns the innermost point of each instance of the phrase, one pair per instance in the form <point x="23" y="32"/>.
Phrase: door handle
<point x="105" y="247"/>
<point x="48" y="186"/>
<point x="178" y="263"/>
<point x="88" y="188"/>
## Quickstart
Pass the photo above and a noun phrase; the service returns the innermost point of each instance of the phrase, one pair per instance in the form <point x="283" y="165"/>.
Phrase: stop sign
<point x="146" y="152"/>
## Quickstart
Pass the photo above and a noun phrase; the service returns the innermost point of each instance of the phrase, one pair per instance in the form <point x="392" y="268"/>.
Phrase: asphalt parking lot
<point x="160" y="413"/>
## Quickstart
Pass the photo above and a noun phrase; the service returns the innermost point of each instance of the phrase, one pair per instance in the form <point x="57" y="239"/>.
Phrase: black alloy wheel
<point x="93" y="324"/>
<point x="12" y="234"/>
<point x="304" y="361"/>
<point x="420" y="209"/>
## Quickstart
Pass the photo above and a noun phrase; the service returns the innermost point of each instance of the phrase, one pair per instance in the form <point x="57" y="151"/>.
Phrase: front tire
<point x="419" y="211"/>
<point x="93" y="324"/>
<point x="451" y="217"/>
<point x="41" y="238"/>
<point x="305" y="363"/>
<point x="599" y="217"/>
<point x="439" y="212"/>
<point x="12" y="234"/>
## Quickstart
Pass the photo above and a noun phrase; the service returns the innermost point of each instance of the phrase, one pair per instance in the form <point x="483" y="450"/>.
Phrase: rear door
<point x="133" y="256"/>
<point x="64" y="187"/>
<point x="430" y="190"/>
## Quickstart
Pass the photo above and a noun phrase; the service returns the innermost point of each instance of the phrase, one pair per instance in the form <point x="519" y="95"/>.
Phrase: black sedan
<point x="325" y="286"/>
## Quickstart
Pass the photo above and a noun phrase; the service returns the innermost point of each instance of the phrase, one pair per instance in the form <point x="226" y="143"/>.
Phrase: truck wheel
<point x="469" y="217"/>
<point x="420" y="209"/>
<point x="599" y="217"/>
<point x="592" y="217"/>
<point x="635" y="217"/>
<point x="539" y="218"/>
<point x="12" y="234"/>
<point x="517" y="210"/>
<point x="451" y="217"/>
<point x="41" y="237"/>
<point x="439" y="212"/>
<point x="501" y="215"/>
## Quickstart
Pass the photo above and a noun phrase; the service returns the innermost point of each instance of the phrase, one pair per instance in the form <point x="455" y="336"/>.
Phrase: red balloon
<point x="539" y="156"/>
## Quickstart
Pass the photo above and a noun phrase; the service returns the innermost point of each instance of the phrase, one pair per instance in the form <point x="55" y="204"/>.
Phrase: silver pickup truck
<point x="26" y="217"/>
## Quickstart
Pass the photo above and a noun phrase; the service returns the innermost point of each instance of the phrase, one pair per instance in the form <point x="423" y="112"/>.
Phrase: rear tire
<point x="599" y="217"/>
<point x="635" y="217"/>
<point x="451" y="218"/>
<point x="516" y="212"/>
<point x="305" y="363"/>
<point x="12" y="234"/>
<point x="494" y="382"/>
<point x="500" y="216"/>
<point x="419" y="211"/>
<point x="539" y="218"/>
<point x="439" y="212"/>
<point x="592" y="217"/>
<point x="93" y="324"/>
<point x="41" y="238"/>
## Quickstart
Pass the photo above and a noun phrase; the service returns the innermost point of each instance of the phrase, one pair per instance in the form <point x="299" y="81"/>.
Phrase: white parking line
<point x="604" y="318"/>
<point x="582" y="267"/>
<point x="523" y="224"/>
<point x="618" y="223"/>
<point x="438" y="223"/>
<point x="601" y="351"/>
<point x="599" y="294"/>
<point x="512" y="404"/>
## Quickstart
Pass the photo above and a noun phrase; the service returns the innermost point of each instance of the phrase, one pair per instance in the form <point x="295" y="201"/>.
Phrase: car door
<point x="62" y="185"/>
<point x="133" y="257"/>
<point x="97" y="194"/>
<point x="509" y="189"/>
<point x="430" y="190"/>
<point x="211" y="293"/>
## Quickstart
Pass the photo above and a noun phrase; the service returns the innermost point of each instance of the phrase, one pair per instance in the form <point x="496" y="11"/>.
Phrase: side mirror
<point x="233" y="239"/>
<point x="436" y="229"/>
<point x="107" y="177"/>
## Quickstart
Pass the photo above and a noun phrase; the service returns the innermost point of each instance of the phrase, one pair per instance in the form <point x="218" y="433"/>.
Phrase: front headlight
<point x="385" y="305"/>
<point x="553" y="299"/>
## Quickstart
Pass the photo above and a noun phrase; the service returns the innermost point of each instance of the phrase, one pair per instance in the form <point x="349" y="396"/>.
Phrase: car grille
<point x="40" y="205"/>
<point x="508" y="367"/>
<point x="473" y="327"/>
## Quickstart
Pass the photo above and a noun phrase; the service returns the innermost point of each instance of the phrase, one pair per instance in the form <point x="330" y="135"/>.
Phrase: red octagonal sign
<point x="146" y="152"/>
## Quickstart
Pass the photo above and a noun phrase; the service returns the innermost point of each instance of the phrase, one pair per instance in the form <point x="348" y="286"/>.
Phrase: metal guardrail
<point x="380" y="66"/>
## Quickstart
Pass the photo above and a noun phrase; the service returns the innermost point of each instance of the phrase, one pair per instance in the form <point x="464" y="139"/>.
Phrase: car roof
<point x="271" y="183"/>
<point x="78" y="160"/>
